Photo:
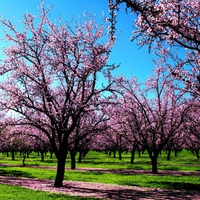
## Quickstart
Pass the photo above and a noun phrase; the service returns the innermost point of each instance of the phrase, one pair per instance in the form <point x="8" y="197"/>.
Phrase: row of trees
<point x="51" y="75"/>
<point x="32" y="140"/>
<point x="153" y="116"/>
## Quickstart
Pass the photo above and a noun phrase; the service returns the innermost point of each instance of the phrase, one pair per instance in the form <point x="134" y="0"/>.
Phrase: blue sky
<point x="134" y="61"/>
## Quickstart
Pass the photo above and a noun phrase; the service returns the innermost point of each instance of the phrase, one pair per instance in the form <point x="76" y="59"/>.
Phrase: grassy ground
<point x="185" y="161"/>
<point x="18" y="193"/>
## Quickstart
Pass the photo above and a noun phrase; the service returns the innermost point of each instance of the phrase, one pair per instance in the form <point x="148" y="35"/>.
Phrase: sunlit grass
<point x="185" y="161"/>
<point x="19" y="193"/>
<point x="145" y="180"/>
<point x="33" y="159"/>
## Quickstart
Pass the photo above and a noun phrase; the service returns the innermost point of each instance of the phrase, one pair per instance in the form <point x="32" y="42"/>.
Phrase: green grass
<point x="185" y="161"/>
<point x="18" y="193"/>
<point x="33" y="159"/>
<point x="144" y="180"/>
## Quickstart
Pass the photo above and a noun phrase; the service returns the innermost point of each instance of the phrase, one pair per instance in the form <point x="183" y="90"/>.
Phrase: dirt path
<point x="99" y="190"/>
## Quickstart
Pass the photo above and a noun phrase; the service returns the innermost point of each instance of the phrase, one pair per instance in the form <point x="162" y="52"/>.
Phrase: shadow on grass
<point x="102" y="163"/>
<point x="178" y="185"/>
<point x="168" y="167"/>
<point x="63" y="196"/>
<point x="112" y="163"/>
<point x="183" y="186"/>
<point x="4" y="172"/>
<point x="107" y="191"/>
<point x="50" y="161"/>
<point x="136" y="167"/>
<point x="135" y="193"/>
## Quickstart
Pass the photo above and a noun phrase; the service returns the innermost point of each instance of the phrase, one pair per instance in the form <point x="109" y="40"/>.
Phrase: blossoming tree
<point x="171" y="29"/>
<point x="154" y="113"/>
<point x="191" y="130"/>
<point x="51" y="76"/>
<point x="87" y="128"/>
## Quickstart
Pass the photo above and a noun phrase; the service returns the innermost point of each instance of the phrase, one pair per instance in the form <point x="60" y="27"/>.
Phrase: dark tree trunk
<point x="114" y="154"/>
<point x="80" y="157"/>
<point x="24" y="158"/>
<point x="154" y="158"/>
<point x="120" y="154"/>
<point x="168" y="154"/>
<point x="13" y="155"/>
<point x="176" y="153"/>
<point x="120" y="147"/>
<point x="85" y="152"/>
<point x="132" y="156"/>
<point x="73" y="159"/>
<point x="61" y="159"/>
<point x="42" y="156"/>
<point x="197" y="153"/>
<point x="7" y="154"/>
<point x="51" y="154"/>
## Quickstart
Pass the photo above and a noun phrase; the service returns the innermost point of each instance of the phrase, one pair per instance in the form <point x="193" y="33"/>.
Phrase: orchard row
<point x="58" y="92"/>
<point x="153" y="116"/>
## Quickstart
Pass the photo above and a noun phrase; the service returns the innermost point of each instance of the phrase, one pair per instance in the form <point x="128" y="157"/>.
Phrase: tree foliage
<point x="52" y="75"/>
<point x="171" y="29"/>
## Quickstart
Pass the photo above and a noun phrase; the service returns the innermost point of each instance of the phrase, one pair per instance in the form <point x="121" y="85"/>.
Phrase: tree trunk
<point x="120" y="147"/>
<point x="42" y="156"/>
<point x="51" y="154"/>
<point x="114" y="154"/>
<point x="61" y="159"/>
<point x="197" y="153"/>
<point x="85" y="152"/>
<point x="24" y="158"/>
<point x="80" y="157"/>
<point x="176" y="153"/>
<point x="154" y="159"/>
<point x="120" y="154"/>
<point x="168" y="154"/>
<point x="13" y="155"/>
<point x="132" y="156"/>
<point x="73" y="159"/>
